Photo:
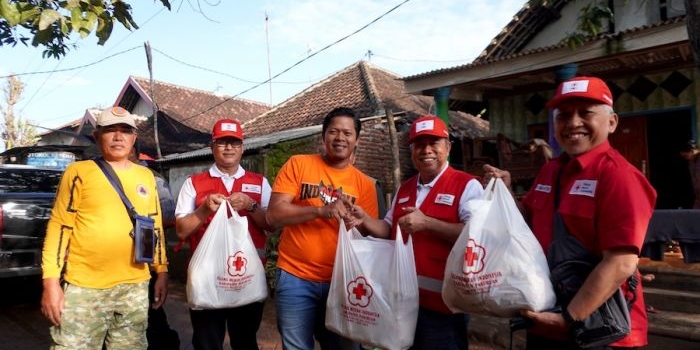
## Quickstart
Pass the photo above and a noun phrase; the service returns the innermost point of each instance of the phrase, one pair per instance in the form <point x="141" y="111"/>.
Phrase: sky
<point x="227" y="47"/>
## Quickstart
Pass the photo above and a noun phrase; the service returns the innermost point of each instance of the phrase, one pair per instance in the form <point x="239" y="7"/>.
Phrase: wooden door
<point x="630" y="139"/>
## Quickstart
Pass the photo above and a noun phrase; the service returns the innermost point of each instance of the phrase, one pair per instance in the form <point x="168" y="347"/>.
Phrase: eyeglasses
<point x="222" y="143"/>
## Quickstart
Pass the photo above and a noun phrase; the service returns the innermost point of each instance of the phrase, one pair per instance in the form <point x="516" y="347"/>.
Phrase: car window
<point x="29" y="180"/>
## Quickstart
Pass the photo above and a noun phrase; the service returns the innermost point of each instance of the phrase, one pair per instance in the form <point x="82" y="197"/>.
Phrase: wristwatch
<point x="567" y="317"/>
<point x="253" y="207"/>
<point x="570" y="320"/>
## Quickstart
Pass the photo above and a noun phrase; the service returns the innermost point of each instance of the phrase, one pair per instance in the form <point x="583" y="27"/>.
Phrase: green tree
<point x="50" y="22"/>
<point x="15" y="131"/>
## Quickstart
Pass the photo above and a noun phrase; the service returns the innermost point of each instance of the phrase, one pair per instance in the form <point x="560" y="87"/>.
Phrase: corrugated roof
<point x="253" y="143"/>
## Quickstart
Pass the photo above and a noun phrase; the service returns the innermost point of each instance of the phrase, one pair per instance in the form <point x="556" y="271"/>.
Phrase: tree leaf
<point x="10" y="13"/>
<point x="104" y="28"/>
<point x="42" y="37"/>
<point x="166" y="3"/>
<point x="47" y="18"/>
<point x="76" y="18"/>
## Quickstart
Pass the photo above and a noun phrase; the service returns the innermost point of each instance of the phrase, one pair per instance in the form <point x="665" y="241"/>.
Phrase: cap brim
<point x="127" y="124"/>
<point x="553" y="103"/>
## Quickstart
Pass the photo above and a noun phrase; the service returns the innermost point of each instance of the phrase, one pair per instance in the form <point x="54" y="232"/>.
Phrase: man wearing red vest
<point x="200" y="197"/>
<point x="431" y="207"/>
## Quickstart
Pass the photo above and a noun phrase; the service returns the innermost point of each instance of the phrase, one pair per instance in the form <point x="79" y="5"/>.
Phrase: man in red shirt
<point x="604" y="202"/>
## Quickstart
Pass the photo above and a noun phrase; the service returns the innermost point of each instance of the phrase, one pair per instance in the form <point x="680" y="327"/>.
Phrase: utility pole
<point x="395" y="163"/>
<point x="147" y="46"/>
<point x="269" y="70"/>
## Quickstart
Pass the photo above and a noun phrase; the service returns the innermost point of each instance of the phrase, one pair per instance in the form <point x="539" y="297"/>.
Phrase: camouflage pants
<point x="115" y="316"/>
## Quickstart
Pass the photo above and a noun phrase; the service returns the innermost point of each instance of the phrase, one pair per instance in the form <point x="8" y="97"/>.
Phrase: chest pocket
<point x="538" y="200"/>
<point x="578" y="213"/>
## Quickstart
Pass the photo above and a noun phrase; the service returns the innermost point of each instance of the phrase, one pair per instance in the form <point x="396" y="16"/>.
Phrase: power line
<point x="299" y="62"/>
<point x="191" y="65"/>
<point x="72" y="68"/>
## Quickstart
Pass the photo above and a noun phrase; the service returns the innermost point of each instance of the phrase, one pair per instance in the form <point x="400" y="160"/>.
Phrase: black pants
<point x="437" y="331"/>
<point x="535" y="342"/>
<point x="209" y="327"/>
<point x="159" y="334"/>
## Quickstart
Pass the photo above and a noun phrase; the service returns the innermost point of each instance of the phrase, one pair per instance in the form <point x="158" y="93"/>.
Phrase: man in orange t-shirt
<point x="311" y="193"/>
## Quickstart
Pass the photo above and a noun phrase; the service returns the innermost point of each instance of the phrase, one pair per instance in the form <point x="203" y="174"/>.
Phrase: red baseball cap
<point x="227" y="128"/>
<point x="591" y="88"/>
<point x="428" y="125"/>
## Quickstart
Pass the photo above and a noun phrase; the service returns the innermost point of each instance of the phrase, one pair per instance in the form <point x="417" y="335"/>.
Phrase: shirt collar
<point x="432" y="183"/>
<point x="215" y="172"/>
<point x="587" y="158"/>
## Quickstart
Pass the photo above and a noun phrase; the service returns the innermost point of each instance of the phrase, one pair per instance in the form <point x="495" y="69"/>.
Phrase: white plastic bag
<point x="225" y="270"/>
<point x="373" y="296"/>
<point x="496" y="266"/>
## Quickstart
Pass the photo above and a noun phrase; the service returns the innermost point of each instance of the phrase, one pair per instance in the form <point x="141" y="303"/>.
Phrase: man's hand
<point x="414" y="221"/>
<point x="240" y="201"/>
<point x="355" y="217"/>
<point x="160" y="290"/>
<point x="547" y="324"/>
<point x="213" y="202"/>
<point x="493" y="172"/>
<point x="52" y="299"/>
<point x="340" y="209"/>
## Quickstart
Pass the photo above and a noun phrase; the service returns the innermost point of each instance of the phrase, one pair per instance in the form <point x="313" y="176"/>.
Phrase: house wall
<point x="511" y="117"/>
<point x="374" y="157"/>
<point x="374" y="154"/>
<point x="553" y="33"/>
<point x="143" y="108"/>
<point x="178" y="173"/>
<point x="628" y="14"/>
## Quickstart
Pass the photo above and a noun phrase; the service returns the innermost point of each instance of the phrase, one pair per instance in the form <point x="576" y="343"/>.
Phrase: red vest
<point x="431" y="253"/>
<point x="204" y="185"/>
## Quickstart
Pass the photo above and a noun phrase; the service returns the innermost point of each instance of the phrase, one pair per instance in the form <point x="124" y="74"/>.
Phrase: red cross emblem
<point x="237" y="264"/>
<point x="474" y="256"/>
<point x="359" y="292"/>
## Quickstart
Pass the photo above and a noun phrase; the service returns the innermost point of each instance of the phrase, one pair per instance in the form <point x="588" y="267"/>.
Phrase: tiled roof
<point x="186" y="115"/>
<point x="367" y="89"/>
<point x="464" y="125"/>
<point x="198" y="109"/>
<point x="252" y="143"/>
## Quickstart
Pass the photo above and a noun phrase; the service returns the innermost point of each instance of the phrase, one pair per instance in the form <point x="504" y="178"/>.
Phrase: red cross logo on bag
<point x="237" y="264"/>
<point x="359" y="292"/>
<point x="474" y="256"/>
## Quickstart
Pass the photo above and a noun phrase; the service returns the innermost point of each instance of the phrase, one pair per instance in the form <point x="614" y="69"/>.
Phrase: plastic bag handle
<point x="488" y="190"/>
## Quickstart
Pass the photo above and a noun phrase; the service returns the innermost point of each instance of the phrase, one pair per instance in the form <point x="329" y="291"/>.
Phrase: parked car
<point x="27" y="194"/>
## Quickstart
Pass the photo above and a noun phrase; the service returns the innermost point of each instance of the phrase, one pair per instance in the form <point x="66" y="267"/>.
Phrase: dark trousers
<point x="437" y="331"/>
<point x="535" y="342"/>
<point x="159" y="334"/>
<point x="209" y="327"/>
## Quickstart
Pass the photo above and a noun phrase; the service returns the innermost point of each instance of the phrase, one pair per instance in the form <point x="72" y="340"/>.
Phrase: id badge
<point x="144" y="239"/>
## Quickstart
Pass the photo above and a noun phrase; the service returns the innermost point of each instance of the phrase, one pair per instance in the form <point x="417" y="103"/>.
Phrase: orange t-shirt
<point x="307" y="250"/>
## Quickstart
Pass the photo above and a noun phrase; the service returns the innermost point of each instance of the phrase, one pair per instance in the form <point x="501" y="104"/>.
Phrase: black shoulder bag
<point x="143" y="233"/>
<point x="570" y="264"/>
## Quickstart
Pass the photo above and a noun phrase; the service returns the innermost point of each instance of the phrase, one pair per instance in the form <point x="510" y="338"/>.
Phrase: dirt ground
<point x="268" y="337"/>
